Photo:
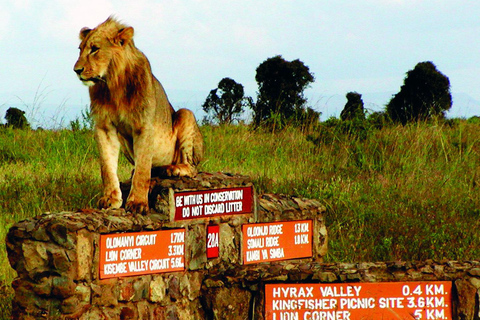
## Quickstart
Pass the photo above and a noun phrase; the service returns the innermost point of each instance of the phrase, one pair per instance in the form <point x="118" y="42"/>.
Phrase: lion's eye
<point x="94" y="49"/>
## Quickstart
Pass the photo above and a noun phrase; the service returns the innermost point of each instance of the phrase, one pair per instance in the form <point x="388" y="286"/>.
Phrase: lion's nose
<point x="78" y="70"/>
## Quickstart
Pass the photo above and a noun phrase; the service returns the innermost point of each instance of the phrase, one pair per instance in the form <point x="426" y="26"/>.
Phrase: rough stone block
<point x="63" y="287"/>
<point x="228" y="303"/>
<point x="84" y="258"/>
<point x="467" y="299"/>
<point x="158" y="289"/>
<point x="105" y="293"/>
<point x="195" y="253"/>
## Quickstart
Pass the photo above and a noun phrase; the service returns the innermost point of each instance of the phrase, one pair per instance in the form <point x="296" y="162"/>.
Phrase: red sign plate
<point x="213" y="241"/>
<point x="276" y="241"/>
<point x="366" y="301"/>
<point x="133" y="254"/>
<point x="210" y="203"/>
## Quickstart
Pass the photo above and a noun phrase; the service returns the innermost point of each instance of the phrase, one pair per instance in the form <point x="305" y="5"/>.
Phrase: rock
<point x="228" y="303"/>
<point x="325" y="277"/>
<point x="84" y="257"/>
<point x="105" y="293"/>
<point x="467" y="294"/>
<point x="63" y="287"/>
<point x="158" y="289"/>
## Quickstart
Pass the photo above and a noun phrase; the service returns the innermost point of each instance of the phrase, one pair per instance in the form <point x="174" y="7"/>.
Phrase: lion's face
<point x="97" y="49"/>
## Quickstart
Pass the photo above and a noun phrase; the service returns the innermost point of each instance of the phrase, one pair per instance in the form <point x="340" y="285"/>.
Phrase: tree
<point x="424" y="94"/>
<point x="281" y="84"/>
<point x="16" y="119"/>
<point x="353" y="108"/>
<point x="226" y="102"/>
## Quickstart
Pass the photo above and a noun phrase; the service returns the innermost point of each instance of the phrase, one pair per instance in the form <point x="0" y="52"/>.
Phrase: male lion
<point x="131" y="111"/>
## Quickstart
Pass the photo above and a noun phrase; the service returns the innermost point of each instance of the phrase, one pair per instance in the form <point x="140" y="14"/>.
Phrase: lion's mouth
<point x="95" y="80"/>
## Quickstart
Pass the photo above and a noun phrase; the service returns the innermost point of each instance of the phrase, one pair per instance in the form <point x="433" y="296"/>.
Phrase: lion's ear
<point x="84" y="32"/>
<point x="124" y="36"/>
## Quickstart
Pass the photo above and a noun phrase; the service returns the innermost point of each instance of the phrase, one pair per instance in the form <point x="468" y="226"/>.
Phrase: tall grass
<point x="397" y="193"/>
<point x="408" y="193"/>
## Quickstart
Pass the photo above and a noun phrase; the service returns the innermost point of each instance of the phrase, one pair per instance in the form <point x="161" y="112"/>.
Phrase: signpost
<point x="350" y="301"/>
<point x="139" y="253"/>
<point x="210" y="203"/>
<point x="213" y="241"/>
<point x="276" y="241"/>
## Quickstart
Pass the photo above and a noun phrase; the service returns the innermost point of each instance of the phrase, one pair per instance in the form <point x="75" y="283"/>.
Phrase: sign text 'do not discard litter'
<point x="211" y="203"/>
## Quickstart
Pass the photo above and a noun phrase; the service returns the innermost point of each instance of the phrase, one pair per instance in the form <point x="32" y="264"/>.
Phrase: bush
<point x="281" y="84"/>
<point x="425" y="94"/>
<point x="16" y="119"/>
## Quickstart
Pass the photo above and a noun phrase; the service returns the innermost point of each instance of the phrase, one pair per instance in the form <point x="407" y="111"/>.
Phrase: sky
<point x="366" y="46"/>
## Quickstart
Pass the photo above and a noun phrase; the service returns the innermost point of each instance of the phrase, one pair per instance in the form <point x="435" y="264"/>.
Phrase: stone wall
<point x="56" y="256"/>
<point x="57" y="260"/>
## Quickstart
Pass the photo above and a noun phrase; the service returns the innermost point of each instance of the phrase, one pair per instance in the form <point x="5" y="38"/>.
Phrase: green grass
<point x="401" y="193"/>
<point x="397" y="193"/>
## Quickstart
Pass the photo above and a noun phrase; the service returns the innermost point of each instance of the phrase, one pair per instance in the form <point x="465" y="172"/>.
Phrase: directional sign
<point x="276" y="241"/>
<point x="213" y="241"/>
<point x="128" y="254"/>
<point x="366" y="301"/>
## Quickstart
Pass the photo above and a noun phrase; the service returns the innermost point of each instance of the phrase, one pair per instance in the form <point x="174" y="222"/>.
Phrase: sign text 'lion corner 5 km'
<point x="139" y="253"/>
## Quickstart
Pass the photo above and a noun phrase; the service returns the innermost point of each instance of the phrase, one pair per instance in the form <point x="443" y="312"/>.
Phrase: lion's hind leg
<point x="188" y="147"/>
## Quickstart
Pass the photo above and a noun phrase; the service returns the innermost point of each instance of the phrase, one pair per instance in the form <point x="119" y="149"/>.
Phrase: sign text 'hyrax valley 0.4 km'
<point x="348" y="301"/>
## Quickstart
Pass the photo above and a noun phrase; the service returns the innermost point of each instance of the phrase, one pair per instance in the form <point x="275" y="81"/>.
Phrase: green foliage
<point x="281" y="84"/>
<point x="334" y="130"/>
<point x="306" y="119"/>
<point x="424" y="95"/>
<point x="379" y="119"/>
<point x="474" y="120"/>
<point x="226" y="108"/>
<point x="353" y="108"/>
<point x="16" y="119"/>
<point x="85" y="123"/>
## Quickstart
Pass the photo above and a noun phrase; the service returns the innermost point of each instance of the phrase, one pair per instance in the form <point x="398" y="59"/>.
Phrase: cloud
<point x="63" y="19"/>
<point x="4" y="23"/>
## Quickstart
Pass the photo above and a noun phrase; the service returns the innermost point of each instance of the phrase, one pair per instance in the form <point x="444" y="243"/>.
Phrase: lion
<point x="131" y="112"/>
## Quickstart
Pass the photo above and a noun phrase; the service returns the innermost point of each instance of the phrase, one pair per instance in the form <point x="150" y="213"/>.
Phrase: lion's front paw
<point x="107" y="202"/>
<point x="180" y="170"/>
<point x="137" y="207"/>
<point x="173" y="171"/>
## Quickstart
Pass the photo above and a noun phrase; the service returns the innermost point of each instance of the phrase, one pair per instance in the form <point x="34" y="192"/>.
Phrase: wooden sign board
<point x="367" y="301"/>
<point x="211" y="203"/>
<point x="139" y="253"/>
<point x="276" y="241"/>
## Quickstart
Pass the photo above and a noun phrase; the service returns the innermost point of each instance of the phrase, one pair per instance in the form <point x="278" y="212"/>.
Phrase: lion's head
<point x="101" y="50"/>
